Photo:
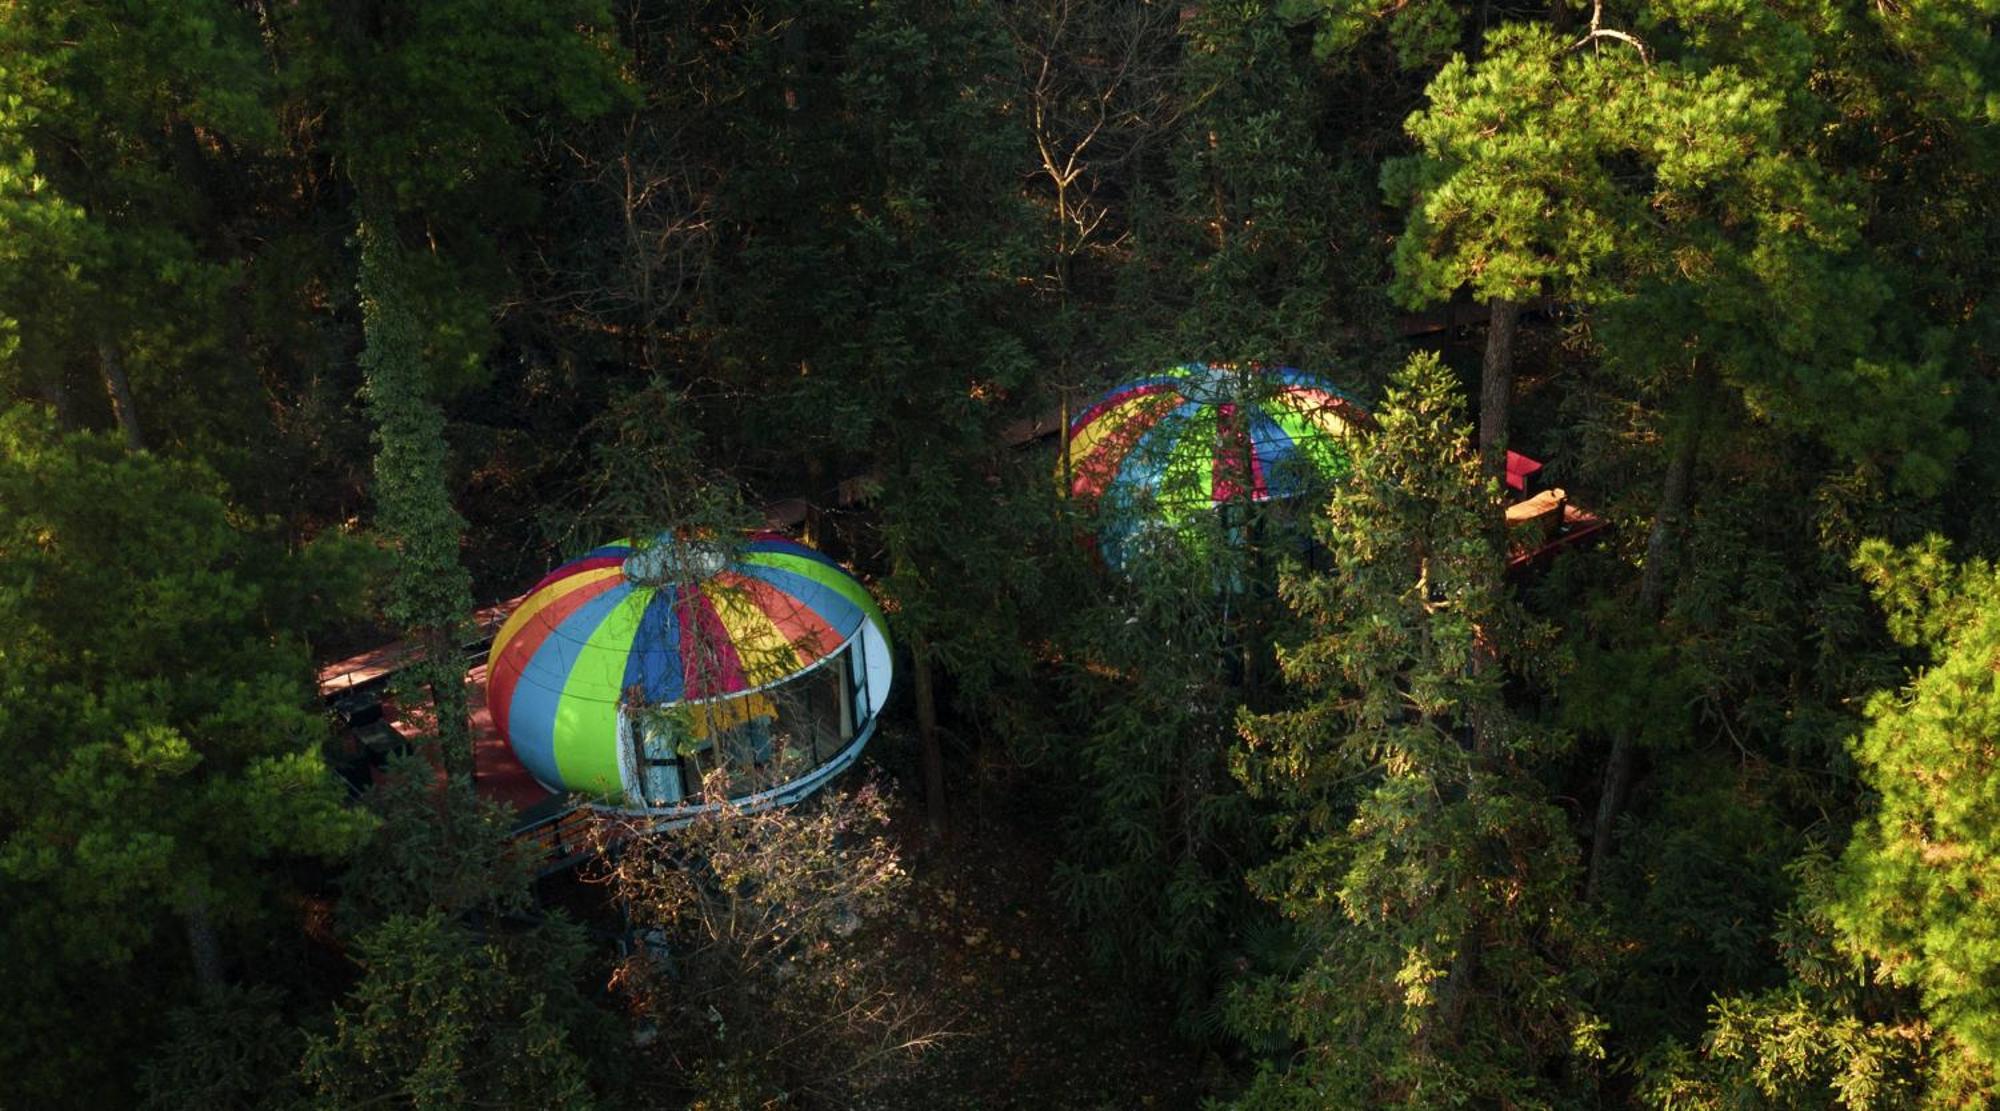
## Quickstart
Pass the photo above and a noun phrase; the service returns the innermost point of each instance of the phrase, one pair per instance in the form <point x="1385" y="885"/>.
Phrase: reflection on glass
<point x="760" y="739"/>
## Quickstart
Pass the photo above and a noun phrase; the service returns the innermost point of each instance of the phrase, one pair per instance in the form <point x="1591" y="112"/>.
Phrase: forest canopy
<point x="1603" y="714"/>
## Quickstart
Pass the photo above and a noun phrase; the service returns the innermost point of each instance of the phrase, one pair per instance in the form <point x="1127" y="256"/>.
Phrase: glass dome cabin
<point x="1156" y="456"/>
<point x="635" y="670"/>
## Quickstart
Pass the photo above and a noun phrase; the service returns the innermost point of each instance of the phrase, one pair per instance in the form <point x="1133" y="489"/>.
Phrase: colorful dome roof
<point x="670" y="621"/>
<point x="1187" y="439"/>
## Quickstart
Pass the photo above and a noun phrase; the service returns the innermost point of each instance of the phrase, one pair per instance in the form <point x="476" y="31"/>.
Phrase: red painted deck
<point x="1545" y="523"/>
<point x="496" y="774"/>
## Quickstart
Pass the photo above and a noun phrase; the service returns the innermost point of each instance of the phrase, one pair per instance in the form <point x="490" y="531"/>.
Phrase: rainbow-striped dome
<point x="1169" y="445"/>
<point x="627" y="625"/>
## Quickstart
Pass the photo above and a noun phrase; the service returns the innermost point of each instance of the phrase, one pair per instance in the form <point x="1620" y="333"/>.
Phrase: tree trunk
<point x="447" y="684"/>
<point x="1496" y="384"/>
<point x="930" y="752"/>
<point x="1667" y="522"/>
<point x="1068" y="478"/>
<point x="1496" y="398"/>
<point x="1448" y="1014"/>
<point x="815" y="524"/>
<point x="1617" y="778"/>
<point x="1674" y="496"/>
<point x="1254" y="608"/>
<point x="56" y="391"/>
<point x="203" y="947"/>
<point x="119" y="389"/>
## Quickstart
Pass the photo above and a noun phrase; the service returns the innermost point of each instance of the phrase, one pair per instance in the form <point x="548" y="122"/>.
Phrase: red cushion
<point x="1520" y="469"/>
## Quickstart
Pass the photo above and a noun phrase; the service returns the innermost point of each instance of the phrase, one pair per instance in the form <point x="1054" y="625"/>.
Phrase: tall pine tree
<point x="1429" y="879"/>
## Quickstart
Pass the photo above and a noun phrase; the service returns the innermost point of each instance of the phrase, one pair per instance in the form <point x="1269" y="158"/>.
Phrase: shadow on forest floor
<point x="1034" y="1022"/>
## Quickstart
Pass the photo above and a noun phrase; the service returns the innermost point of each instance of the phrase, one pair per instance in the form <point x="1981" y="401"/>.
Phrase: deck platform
<point x="357" y="689"/>
<point x="1544" y="521"/>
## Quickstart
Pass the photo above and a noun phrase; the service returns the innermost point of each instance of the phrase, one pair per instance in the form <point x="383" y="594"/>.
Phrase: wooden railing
<point x="560" y="839"/>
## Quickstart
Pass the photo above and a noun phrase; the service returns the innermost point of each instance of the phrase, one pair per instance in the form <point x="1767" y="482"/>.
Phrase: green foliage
<point x="39" y="228"/>
<point x="159" y="726"/>
<point x="884" y="267"/>
<point x="437" y="846"/>
<point x="124" y="255"/>
<point x="443" y="1018"/>
<point x="231" y="1049"/>
<point x="1916" y="897"/>
<point x="1515" y="186"/>
<point x="649" y="475"/>
<point x="1428" y="878"/>
<point x="1259" y="246"/>
<point x="1158" y="840"/>
<point x="626" y="264"/>
<point x="430" y="95"/>
<point x="1421" y="32"/>
<point x="430" y="110"/>
<point x="879" y="280"/>
<point x="1700" y="874"/>
<point x="432" y="593"/>
<point x="466" y="994"/>
<point x="1831" y="1037"/>
<point x="1881" y="1006"/>
<point x="1671" y="193"/>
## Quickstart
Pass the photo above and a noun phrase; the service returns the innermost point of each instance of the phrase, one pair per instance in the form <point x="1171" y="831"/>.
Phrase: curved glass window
<point x="759" y="739"/>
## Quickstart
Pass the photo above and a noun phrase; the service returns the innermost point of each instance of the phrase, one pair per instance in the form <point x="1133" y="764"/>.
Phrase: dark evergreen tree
<point x="155" y="705"/>
<point x="873" y="300"/>
<point x="431" y="593"/>
<point x="1160" y="833"/>
<point x="1260" y="246"/>
<point x="444" y="1017"/>
<point x="1441" y="952"/>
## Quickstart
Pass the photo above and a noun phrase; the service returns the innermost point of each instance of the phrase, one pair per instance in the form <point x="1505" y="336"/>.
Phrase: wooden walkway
<point x="371" y="667"/>
<point x="357" y="689"/>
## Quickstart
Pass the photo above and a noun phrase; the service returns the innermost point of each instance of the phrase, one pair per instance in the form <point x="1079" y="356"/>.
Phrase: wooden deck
<point x="1545" y="522"/>
<point x="377" y="664"/>
<point x="1543" y="525"/>
<point x="357" y="688"/>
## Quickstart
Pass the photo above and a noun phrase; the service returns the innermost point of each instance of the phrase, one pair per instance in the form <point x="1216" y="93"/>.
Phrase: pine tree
<point x="444" y="1017"/>
<point x="1427" y="876"/>
<point x="1888" y="953"/>
<point x="1917" y="869"/>
<point x="432" y="592"/>
<point x="1665" y="180"/>
<point x="155" y="705"/>
<point x="1836" y="1034"/>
